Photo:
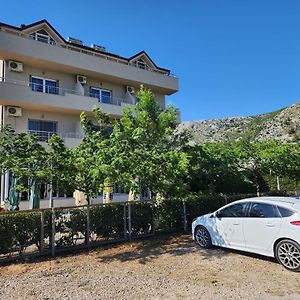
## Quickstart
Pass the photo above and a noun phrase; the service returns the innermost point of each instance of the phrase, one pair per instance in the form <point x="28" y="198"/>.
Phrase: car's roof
<point x="284" y="201"/>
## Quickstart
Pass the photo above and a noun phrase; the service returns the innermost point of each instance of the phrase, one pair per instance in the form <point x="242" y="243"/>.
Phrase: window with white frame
<point x="141" y="64"/>
<point x="103" y="96"/>
<point x="44" y="85"/>
<point x="42" y="129"/>
<point x="42" y="36"/>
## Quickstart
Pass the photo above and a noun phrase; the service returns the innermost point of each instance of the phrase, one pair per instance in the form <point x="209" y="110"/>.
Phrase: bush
<point x="107" y="221"/>
<point x="141" y="218"/>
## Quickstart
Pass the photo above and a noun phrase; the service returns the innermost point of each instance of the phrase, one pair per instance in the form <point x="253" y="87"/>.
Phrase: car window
<point x="262" y="210"/>
<point x="285" y="212"/>
<point x="233" y="211"/>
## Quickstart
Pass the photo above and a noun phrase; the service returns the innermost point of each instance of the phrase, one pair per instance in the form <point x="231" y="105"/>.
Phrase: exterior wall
<point x="66" y="60"/>
<point x="66" y="123"/>
<point x="1" y="69"/>
<point x="67" y="82"/>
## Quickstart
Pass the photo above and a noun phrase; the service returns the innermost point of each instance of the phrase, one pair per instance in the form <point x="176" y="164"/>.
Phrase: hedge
<point x="20" y="230"/>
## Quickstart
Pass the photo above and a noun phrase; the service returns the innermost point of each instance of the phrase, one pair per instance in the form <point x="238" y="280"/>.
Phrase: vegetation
<point x="143" y="153"/>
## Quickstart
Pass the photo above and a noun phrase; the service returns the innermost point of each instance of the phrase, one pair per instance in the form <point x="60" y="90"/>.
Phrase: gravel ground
<point x="158" y="268"/>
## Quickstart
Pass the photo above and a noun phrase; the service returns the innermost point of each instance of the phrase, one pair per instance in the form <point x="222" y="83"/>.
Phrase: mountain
<point x="283" y="125"/>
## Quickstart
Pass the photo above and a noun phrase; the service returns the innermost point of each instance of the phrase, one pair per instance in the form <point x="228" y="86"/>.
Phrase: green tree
<point x="91" y="159"/>
<point x="146" y="153"/>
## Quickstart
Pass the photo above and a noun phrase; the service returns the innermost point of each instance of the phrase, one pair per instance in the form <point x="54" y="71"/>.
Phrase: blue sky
<point x="233" y="57"/>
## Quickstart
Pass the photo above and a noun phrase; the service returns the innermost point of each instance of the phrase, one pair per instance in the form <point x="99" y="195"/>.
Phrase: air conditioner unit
<point x="130" y="89"/>
<point x="13" y="111"/>
<point x="15" y="66"/>
<point x="81" y="79"/>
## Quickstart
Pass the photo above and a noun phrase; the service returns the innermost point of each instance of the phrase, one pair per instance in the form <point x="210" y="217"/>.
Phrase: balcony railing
<point x="90" y="52"/>
<point x="49" y="89"/>
<point x="44" y="136"/>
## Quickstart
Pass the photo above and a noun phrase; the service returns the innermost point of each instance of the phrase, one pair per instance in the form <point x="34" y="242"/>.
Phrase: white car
<point x="268" y="226"/>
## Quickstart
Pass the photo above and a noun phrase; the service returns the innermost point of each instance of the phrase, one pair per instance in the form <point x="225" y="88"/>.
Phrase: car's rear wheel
<point x="288" y="254"/>
<point x="202" y="237"/>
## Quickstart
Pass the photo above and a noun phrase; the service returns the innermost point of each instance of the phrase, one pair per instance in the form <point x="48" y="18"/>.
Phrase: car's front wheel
<point x="202" y="237"/>
<point x="288" y="254"/>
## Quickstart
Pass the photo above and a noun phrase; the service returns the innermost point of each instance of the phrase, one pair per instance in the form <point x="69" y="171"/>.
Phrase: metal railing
<point x="48" y="89"/>
<point x="59" y="230"/>
<point x="92" y="53"/>
<point x="43" y="136"/>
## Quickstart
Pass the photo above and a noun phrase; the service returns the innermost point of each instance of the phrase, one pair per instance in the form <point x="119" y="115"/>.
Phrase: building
<point x="46" y="81"/>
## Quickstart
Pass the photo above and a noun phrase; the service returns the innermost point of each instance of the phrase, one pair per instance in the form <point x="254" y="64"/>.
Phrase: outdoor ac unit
<point x="15" y="66"/>
<point x="130" y="89"/>
<point x="81" y="79"/>
<point x="13" y="111"/>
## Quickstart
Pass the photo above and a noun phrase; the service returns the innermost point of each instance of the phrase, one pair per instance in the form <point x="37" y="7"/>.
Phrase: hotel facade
<point x="46" y="81"/>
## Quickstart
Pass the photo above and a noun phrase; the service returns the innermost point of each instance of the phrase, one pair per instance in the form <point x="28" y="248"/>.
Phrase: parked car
<point x="268" y="226"/>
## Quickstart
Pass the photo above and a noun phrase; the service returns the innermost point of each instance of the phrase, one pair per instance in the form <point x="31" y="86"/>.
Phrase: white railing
<point x="92" y="53"/>
<point x="43" y="136"/>
<point x="48" y="89"/>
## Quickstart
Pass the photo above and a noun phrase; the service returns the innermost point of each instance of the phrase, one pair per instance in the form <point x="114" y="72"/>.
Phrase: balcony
<point x="71" y="59"/>
<point x="44" y="97"/>
<point x="72" y="139"/>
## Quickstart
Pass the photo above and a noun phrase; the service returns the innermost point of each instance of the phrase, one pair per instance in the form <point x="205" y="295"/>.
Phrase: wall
<point x="66" y="123"/>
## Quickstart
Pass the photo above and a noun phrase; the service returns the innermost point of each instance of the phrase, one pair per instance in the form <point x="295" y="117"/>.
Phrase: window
<point x="43" y="85"/>
<point x="263" y="210"/>
<point x="141" y="64"/>
<point x="285" y="212"/>
<point x="103" y="96"/>
<point x="42" y="129"/>
<point x="233" y="211"/>
<point x="42" y="36"/>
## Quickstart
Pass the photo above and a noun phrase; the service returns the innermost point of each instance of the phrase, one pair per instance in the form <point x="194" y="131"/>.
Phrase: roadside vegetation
<point x="142" y="153"/>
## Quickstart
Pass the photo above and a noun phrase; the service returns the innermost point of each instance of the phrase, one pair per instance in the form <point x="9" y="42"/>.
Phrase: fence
<point x="45" y="232"/>
<point x="48" y="232"/>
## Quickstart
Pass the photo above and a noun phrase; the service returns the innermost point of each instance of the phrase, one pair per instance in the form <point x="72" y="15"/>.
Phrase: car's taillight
<point x="297" y="223"/>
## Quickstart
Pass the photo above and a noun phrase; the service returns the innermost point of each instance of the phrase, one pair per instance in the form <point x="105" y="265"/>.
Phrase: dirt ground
<point x="158" y="268"/>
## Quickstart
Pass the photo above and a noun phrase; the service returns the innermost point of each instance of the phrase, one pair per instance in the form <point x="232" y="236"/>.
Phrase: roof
<point x="294" y="201"/>
<point x="44" y="21"/>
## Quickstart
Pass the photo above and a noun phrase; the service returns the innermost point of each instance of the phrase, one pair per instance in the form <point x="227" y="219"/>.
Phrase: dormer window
<point x="141" y="64"/>
<point x="42" y="36"/>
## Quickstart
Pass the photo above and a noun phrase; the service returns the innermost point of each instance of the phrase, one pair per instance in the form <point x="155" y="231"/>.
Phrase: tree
<point x="145" y="150"/>
<point x="24" y="158"/>
<point x="91" y="158"/>
<point x="59" y="165"/>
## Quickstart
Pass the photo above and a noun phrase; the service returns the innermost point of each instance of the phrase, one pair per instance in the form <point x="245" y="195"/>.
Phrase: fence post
<point x="53" y="232"/>
<point x="42" y="232"/>
<point x="184" y="216"/>
<point x="88" y="225"/>
<point x="125" y="220"/>
<point x="153" y="218"/>
<point x="129" y="221"/>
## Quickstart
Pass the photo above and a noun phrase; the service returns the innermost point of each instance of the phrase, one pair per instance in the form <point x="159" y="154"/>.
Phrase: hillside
<point x="281" y="125"/>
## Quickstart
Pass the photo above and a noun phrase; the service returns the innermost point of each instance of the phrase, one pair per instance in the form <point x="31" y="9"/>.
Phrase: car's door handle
<point x="270" y="225"/>
<point x="236" y="223"/>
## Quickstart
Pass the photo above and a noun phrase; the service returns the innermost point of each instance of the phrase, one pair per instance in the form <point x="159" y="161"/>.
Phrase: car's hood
<point x="205" y="216"/>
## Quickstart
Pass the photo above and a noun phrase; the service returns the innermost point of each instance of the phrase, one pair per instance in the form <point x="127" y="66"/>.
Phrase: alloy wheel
<point x="288" y="255"/>
<point x="202" y="237"/>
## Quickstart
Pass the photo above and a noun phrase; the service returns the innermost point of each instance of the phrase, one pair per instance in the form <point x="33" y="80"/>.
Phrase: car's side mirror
<point x="218" y="214"/>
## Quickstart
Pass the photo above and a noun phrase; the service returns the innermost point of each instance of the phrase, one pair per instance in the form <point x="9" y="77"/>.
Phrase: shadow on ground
<point x="150" y="249"/>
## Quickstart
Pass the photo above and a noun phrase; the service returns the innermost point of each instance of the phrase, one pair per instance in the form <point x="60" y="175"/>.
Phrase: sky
<point x="232" y="57"/>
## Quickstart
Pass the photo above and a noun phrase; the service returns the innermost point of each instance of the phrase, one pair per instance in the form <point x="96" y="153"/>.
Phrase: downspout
<point x="2" y="187"/>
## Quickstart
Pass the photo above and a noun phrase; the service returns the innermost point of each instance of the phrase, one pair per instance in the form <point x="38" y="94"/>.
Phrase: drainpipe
<point x="2" y="186"/>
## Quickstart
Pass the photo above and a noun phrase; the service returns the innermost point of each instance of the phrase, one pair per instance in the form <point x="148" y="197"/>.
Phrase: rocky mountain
<point x="281" y="125"/>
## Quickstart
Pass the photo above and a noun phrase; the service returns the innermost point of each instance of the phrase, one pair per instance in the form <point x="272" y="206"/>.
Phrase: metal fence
<point x="51" y="231"/>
